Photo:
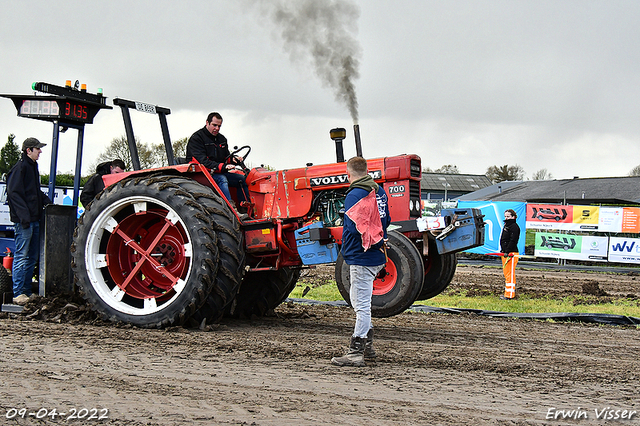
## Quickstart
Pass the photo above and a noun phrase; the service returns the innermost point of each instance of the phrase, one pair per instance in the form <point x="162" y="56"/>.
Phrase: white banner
<point x="624" y="250"/>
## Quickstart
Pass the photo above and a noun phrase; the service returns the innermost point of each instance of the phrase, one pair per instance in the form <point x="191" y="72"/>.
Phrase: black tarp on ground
<point x="608" y="319"/>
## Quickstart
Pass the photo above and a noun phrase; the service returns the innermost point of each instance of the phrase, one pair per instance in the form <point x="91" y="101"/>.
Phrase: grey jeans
<point x="360" y="293"/>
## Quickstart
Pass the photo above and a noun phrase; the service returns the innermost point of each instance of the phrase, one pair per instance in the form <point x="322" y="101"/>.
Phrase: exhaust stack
<point x="356" y="132"/>
<point x="338" y="136"/>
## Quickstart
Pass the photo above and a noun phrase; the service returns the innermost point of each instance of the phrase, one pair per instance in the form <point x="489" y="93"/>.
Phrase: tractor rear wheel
<point x="401" y="282"/>
<point x="231" y="253"/>
<point x="145" y="253"/>
<point x="263" y="291"/>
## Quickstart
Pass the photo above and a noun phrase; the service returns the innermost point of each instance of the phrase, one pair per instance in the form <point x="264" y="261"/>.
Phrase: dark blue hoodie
<point x="352" y="249"/>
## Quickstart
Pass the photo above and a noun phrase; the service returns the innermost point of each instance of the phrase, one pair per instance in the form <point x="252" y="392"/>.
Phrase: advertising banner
<point x="611" y="219"/>
<point x="494" y="222"/>
<point x="575" y="247"/>
<point x="630" y="220"/>
<point x="624" y="250"/>
<point x="556" y="217"/>
<point x="561" y="217"/>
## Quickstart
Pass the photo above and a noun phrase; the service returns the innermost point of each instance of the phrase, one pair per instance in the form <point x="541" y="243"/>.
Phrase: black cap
<point x="32" y="143"/>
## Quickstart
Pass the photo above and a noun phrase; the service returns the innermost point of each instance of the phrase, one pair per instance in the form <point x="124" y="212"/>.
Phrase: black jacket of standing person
<point x="26" y="200"/>
<point x="509" y="237"/>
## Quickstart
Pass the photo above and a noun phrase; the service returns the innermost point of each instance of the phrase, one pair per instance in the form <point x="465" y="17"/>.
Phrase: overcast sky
<point x="543" y="84"/>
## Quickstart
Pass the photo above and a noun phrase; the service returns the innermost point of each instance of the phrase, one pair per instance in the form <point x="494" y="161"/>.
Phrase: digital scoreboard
<point x="62" y="109"/>
<point x="66" y="105"/>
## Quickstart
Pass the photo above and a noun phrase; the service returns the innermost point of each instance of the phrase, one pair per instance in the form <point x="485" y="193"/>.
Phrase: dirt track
<point x="432" y="369"/>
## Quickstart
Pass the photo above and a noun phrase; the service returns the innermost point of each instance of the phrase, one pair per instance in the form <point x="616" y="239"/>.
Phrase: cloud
<point x="544" y="84"/>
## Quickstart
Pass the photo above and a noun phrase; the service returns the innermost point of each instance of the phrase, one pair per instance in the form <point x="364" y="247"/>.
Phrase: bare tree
<point x="119" y="148"/>
<point x="635" y="171"/>
<point x="541" y="174"/>
<point x="503" y="173"/>
<point x="448" y="169"/>
<point x="180" y="147"/>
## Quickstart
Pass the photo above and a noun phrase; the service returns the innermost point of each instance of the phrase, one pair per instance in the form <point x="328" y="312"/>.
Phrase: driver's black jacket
<point x="210" y="151"/>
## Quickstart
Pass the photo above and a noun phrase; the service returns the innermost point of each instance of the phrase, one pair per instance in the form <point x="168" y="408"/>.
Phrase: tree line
<point x="509" y="173"/>
<point x="154" y="155"/>
<point x="496" y="173"/>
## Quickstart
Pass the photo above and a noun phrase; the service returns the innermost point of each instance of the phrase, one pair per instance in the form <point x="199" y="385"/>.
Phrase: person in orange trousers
<point x="509" y="248"/>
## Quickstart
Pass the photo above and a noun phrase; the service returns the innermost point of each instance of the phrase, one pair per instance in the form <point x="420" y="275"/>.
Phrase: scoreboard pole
<point x="77" y="176"/>
<point x="54" y="164"/>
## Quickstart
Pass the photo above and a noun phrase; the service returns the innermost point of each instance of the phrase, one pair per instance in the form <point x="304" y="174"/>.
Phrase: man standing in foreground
<point x="509" y="248"/>
<point x="363" y="235"/>
<point x="26" y="204"/>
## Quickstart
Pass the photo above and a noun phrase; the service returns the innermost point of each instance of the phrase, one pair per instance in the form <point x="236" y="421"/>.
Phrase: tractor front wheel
<point x="438" y="271"/>
<point x="398" y="285"/>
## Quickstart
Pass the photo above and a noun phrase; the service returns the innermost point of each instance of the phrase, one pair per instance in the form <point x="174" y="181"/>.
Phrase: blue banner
<point x="494" y="222"/>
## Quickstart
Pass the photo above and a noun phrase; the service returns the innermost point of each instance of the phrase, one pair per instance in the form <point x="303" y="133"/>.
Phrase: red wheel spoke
<point x="132" y="274"/>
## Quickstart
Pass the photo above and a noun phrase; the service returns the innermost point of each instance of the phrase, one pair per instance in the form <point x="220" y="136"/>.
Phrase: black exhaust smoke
<point x="323" y="34"/>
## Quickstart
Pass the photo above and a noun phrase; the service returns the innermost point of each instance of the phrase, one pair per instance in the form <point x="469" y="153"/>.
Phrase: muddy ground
<point x="432" y="369"/>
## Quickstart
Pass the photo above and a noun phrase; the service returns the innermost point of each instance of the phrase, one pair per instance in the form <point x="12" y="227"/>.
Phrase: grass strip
<point x="524" y="303"/>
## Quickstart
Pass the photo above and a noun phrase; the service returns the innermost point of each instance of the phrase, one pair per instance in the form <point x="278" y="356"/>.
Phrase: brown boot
<point x="369" y="352"/>
<point x="355" y="355"/>
<point x="239" y="210"/>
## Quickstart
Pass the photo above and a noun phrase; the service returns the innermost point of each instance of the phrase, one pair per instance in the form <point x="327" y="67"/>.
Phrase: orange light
<point x="83" y="87"/>
<point x="67" y="83"/>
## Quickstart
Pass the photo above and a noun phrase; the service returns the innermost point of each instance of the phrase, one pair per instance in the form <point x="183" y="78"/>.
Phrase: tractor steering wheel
<point x="240" y="163"/>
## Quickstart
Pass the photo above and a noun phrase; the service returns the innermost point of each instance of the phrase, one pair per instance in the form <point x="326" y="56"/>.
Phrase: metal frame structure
<point x="128" y="127"/>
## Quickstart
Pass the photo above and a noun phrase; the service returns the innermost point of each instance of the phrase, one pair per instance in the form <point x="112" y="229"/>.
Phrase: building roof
<point x="456" y="182"/>
<point x="610" y="190"/>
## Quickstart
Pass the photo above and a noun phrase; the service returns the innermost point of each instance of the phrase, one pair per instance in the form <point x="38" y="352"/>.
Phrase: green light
<point x="33" y="85"/>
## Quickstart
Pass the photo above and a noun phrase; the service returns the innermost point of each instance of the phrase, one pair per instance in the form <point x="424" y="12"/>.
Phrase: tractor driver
<point x="211" y="150"/>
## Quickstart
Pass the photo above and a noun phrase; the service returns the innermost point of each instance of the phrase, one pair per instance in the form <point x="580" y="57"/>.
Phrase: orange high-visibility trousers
<point x="509" y="269"/>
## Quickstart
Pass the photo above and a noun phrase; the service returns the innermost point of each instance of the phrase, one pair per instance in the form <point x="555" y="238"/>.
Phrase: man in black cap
<point x="26" y="205"/>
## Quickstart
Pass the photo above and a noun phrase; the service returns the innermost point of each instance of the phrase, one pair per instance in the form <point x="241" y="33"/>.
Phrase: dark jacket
<point x="509" y="237"/>
<point x="210" y="151"/>
<point x="95" y="184"/>
<point x="26" y="200"/>
<point x="352" y="249"/>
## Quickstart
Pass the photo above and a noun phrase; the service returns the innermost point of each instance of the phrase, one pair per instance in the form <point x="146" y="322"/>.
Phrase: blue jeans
<point x="360" y="293"/>
<point x="225" y="180"/>
<point x="25" y="257"/>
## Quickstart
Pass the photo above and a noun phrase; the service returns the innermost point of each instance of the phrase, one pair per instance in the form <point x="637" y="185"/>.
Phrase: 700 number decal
<point x="396" y="189"/>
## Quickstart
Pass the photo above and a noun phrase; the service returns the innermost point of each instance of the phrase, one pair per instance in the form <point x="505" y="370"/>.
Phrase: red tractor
<point x="159" y="247"/>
